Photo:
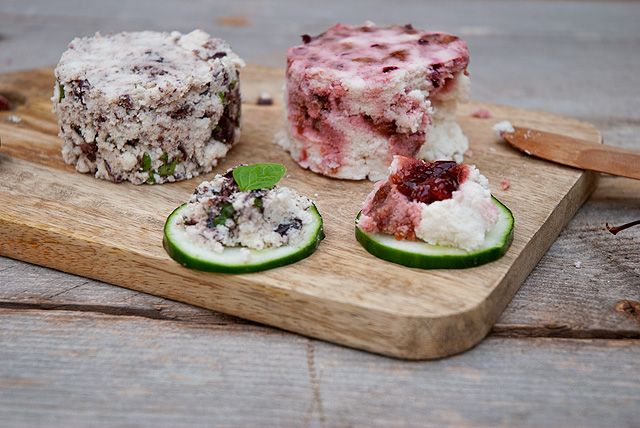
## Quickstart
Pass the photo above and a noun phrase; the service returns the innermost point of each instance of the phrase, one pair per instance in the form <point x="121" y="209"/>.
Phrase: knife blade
<point x="575" y="152"/>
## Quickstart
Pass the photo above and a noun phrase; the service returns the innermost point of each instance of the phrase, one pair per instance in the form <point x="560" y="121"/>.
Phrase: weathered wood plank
<point x="25" y="286"/>
<point x="620" y="190"/>
<point x="574" y="290"/>
<point x="60" y="369"/>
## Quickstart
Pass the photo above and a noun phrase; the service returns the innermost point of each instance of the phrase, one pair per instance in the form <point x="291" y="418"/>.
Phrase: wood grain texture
<point x="574" y="290"/>
<point x="558" y="299"/>
<point x="123" y="371"/>
<point x="31" y="287"/>
<point x="72" y="222"/>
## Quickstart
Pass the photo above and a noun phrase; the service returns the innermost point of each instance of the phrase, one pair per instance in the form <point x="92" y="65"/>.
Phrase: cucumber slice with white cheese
<point x="419" y="254"/>
<point x="237" y="259"/>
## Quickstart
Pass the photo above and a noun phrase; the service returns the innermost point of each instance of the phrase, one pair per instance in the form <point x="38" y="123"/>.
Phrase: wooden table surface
<point x="566" y="352"/>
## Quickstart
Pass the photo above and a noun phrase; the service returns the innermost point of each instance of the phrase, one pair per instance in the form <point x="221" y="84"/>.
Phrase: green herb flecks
<point x="167" y="169"/>
<point x="146" y="162"/>
<point x="60" y="92"/>
<point x="258" y="176"/>
<point x="257" y="202"/>
<point x="226" y="213"/>
<point x="145" y="166"/>
<point x="221" y="96"/>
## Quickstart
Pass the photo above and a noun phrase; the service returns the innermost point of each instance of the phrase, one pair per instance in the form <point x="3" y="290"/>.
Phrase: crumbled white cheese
<point x="462" y="221"/>
<point x="503" y="127"/>
<point x="219" y="215"/>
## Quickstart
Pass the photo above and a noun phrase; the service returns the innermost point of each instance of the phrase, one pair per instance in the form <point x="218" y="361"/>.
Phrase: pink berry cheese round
<point x="357" y="96"/>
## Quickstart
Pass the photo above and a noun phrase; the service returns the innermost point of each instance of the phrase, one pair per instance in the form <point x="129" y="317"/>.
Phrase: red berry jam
<point x="429" y="182"/>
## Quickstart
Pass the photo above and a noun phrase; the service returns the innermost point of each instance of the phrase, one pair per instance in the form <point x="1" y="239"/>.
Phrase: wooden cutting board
<point x="53" y="216"/>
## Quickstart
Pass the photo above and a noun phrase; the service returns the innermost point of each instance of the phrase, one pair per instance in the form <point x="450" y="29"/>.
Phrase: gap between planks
<point x="516" y="331"/>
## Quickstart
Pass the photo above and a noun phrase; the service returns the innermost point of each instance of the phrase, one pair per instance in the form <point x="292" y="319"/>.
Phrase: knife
<point x="574" y="152"/>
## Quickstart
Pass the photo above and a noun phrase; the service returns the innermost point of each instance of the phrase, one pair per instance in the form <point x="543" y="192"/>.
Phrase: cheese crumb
<point x="503" y="127"/>
<point x="14" y="119"/>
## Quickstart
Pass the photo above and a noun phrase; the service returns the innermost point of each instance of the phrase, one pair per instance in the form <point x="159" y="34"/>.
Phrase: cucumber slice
<point x="419" y="254"/>
<point x="232" y="259"/>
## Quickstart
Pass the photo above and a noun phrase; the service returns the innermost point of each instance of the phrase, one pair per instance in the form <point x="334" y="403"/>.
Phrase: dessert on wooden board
<point x="434" y="215"/>
<point x="241" y="221"/>
<point x="356" y="96"/>
<point x="151" y="107"/>
<point x="147" y="106"/>
<point x="113" y="232"/>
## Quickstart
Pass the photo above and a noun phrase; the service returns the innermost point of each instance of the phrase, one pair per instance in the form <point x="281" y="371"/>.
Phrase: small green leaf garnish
<point x="226" y="212"/>
<point x="151" y="179"/>
<point x="258" y="175"/>
<point x="146" y="162"/>
<point x="164" y="157"/>
<point x="221" y="96"/>
<point x="60" y="92"/>
<point x="257" y="202"/>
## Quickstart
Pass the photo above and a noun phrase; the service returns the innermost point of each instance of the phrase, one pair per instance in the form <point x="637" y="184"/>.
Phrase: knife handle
<point x="576" y="153"/>
<point x="611" y="160"/>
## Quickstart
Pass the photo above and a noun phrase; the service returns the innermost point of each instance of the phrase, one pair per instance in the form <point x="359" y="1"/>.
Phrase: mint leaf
<point x="258" y="175"/>
<point x="221" y="96"/>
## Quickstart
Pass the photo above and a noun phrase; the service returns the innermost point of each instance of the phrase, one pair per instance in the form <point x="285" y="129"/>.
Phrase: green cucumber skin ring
<point x="180" y="256"/>
<point x="444" y="261"/>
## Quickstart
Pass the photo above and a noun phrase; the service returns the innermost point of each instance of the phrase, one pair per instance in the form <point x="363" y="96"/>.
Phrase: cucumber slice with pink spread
<point x="237" y="259"/>
<point x="419" y="254"/>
